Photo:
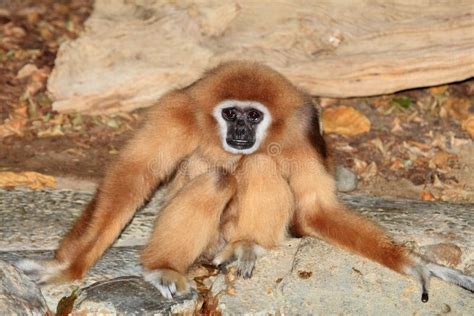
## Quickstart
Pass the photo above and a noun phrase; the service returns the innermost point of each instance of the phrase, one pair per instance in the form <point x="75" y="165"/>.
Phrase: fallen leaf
<point x="468" y="125"/>
<point x="439" y="89"/>
<point x="441" y="158"/>
<point x="396" y="126"/>
<point x="419" y="145"/>
<point x="369" y="171"/>
<point x="33" y="180"/>
<point x="37" y="81"/>
<point x="52" y="131"/>
<point x="397" y="164"/>
<point x="345" y="120"/>
<point x="457" y="108"/>
<point x="13" y="127"/>
<point x="377" y="142"/>
<point x="359" y="166"/>
<point x="437" y="183"/>
<point x="427" y="196"/>
<point x="305" y="274"/>
<point x="26" y="71"/>
<point x="402" y="101"/>
<point x="66" y="303"/>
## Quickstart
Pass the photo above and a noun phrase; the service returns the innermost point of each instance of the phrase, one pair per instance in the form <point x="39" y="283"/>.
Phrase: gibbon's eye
<point x="255" y="116"/>
<point x="229" y="114"/>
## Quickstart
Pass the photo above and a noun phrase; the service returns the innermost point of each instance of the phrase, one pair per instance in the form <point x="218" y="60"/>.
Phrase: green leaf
<point x="402" y="101"/>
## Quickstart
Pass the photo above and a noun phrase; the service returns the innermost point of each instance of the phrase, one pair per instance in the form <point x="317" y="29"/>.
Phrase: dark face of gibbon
<point x="241" y="126"/>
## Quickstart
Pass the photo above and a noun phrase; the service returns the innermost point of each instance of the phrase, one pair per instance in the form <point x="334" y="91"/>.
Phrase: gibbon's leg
<point x="151" y="156"/>
<point x="318" y="213"/>
<point x="184" y="229"/>
<point x="258" y="217"/>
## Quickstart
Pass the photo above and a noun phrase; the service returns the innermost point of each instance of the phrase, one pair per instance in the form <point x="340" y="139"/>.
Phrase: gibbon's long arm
<point x="319" y="214"/>
<point x="148" y="159"/>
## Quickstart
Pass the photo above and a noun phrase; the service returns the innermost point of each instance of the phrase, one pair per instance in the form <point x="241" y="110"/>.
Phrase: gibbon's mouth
<point x="240" y="144"/>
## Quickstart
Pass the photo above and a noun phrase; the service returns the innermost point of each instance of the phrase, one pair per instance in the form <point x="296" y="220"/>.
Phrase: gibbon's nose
<point x="240" y="122"/>
<point x="240" y="133"/>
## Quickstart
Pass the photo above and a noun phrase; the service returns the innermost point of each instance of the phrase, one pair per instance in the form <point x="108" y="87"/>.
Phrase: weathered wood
<point x="133" y="51"/>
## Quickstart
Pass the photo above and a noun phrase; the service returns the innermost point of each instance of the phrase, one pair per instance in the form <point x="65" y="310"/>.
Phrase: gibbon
<point x="247" y="165"/>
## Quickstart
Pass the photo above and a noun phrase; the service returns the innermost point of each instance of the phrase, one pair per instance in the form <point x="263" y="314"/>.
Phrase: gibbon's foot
<point x="169" y="282"/>
<point x="246" y="254"/>
<point x="423" y="270"/>
<point x="43" y="271"/>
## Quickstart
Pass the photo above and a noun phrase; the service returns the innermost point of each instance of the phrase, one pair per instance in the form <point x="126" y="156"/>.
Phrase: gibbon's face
<point x="242" y="124"/>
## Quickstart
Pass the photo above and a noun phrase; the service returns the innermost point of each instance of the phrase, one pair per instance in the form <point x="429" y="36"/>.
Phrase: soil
<point x="416" y="146"/>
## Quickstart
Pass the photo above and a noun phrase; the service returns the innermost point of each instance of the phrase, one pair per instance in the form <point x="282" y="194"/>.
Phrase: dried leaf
<point x="397" y="164"/>
<point x="26" y="71"/>
<point x="52" y="131"/>
<point x="402" y="101"/>
<point x="439" y="89"/>
<point x="441" y="158"/>
<point x="370" y="171"/>
<point x="427" y="196"/>
<point x="377" y="142"/>
<point x="33" y="180"/>
<point x="468" y="125"/>
<point x="359" y="166"/>
<point x="419" y="145"/>
<point x="458" y="108"/>
<point x="345" y="120"/>
<point x="305" y="274"/>
<point x="13" y="127"/>
<point x="396" y="126"/>
<point x="66" y="303"/>
<point x="231" y="291"/>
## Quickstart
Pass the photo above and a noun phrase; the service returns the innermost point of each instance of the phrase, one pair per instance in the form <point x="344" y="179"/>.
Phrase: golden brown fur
<point x="217" y="198"/>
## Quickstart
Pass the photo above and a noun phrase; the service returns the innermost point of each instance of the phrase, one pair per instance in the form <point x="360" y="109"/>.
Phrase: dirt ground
<point x="418" y="145"/>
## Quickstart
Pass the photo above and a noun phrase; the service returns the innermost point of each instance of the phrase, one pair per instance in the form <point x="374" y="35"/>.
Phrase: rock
<point x="133" y="51"/>
<point x="18" y="294"/>
<point x="346" y="180"/>
<point x="323" y="279"/>
<point x="130" y="295"/>
<point x="303" y="276"/>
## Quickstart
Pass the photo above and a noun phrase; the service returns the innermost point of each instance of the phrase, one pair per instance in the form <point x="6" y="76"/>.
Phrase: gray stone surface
<point x="321" y="279"/>
<point x="54" y="212"/>
<point x="117" y="262"/>
<point x="32" y="223"/>
<point x="18" y="294"/>
<point x="130" y="296"/>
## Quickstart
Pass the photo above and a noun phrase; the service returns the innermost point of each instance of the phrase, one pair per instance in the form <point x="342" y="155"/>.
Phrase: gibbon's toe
<point x="245" y="268"/>
<point x="169" y="282"/>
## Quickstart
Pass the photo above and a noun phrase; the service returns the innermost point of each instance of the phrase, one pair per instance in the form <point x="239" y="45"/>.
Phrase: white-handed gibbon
<point x="247" y="166"/>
